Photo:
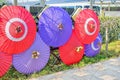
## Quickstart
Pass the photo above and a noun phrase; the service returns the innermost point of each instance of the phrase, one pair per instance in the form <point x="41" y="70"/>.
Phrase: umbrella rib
<point x="48" y="23"/>
<point x="59" y="17"/>
<point x="4" y="15"/>
<point x="3" y="46"/>
<point x="26" y="18"/>
<point x="21" y="13"/>
<point x="10" y="22"/>
<point x="9" y="12"/>
<point x="54" y="12"/>
<point x="50" y="18"/>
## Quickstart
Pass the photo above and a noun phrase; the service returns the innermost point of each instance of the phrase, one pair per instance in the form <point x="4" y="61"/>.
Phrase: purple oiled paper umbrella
<point x="55" y="26"/>
<point x="94" y="48"/>
<point x="34" y="59"/>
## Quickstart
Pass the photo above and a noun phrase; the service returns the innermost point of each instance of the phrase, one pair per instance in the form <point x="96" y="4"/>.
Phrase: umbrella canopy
<point x="55" y="26"/>
<point x="87" y="26"/>
<point x="72" y="51"/>
<point x="17" y="29"/>
<point x="94" y="48"/>
<point x="34" y="59"/>
<point x="5" y="63"/>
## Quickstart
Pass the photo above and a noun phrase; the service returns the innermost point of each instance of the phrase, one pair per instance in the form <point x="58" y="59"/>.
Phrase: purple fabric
<point x="93" y="49"/>
<point x="48" y="26"/>
<point x="24" y="63"/>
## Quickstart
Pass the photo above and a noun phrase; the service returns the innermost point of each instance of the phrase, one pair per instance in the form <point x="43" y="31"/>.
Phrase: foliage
<point x="113" y="51"/>
<point x="2" y="1"/>
<point x="113" y="24"/>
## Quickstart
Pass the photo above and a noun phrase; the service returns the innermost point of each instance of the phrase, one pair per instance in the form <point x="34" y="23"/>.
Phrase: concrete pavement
<point x="108" y="70"/>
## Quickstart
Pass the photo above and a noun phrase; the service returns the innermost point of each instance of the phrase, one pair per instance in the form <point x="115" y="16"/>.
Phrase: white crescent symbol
<point x="8" y="26"/>
<point x="86" y="29"/>
<point x="92" y="45"/>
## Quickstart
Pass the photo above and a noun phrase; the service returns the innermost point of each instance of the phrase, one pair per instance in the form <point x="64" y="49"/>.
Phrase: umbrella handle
<point x="79" y="48"/>
<point x="28" y="63"/>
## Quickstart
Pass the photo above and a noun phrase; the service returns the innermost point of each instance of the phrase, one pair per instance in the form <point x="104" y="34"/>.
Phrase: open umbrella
<point x="55" y="26"/>
<point x="34" y="59"/>
<point x="93" y="48"/>
<point x="87" y="26"/>
<point x="72" y="51"/>
<point x="5" y="63"/>
<point x="17" y="29"/>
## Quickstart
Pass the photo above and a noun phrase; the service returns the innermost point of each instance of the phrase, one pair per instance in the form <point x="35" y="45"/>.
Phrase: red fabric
<point x="9" y="46"/>
<point x="5" y="63"/>
<point x="80" y="22"/>
<point x="68" y="53"/>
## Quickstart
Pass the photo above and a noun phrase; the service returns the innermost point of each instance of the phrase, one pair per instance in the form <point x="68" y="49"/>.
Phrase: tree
<point x="110" y="28"/>
<point x="15" y="2"/>
<point x="2" y="1"/>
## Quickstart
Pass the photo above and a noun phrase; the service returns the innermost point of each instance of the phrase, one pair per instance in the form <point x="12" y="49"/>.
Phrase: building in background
<point x="109" y="7"/>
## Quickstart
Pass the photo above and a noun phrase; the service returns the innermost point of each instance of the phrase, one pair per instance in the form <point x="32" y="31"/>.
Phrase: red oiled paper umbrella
<point x="72" y="52"/>
<point x="87" y="26"/>
<point x="5" y="63"/>
<point x="17" y="29"/>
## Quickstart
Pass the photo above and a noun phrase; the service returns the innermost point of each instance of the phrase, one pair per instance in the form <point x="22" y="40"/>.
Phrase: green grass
<point x="113" y="51"/>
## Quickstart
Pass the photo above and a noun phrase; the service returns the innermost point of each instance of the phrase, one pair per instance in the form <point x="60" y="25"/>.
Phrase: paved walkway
<point x="108" y="70"/>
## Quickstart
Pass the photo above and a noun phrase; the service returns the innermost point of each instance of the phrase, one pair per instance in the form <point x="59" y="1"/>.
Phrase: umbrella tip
<point x="99" y="44"/>
<point x="60" y="26"/>
<point x="35" y="54"/>
<point x="92" y="26"/>
<point x="18" y="29"/>
<point x="79" y="48"/>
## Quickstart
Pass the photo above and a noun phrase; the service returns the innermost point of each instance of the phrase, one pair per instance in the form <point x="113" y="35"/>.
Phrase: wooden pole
<point x="42" y="3"/>
<point x="106" y="35"/>
<point x="15" y="2"/>
<point x="101" y="7"/>
<point x="91" y="4"/>
<point x="108" y="6"/>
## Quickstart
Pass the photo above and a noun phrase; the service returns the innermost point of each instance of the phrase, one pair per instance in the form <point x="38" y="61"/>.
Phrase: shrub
<point x="113" y="24"/>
